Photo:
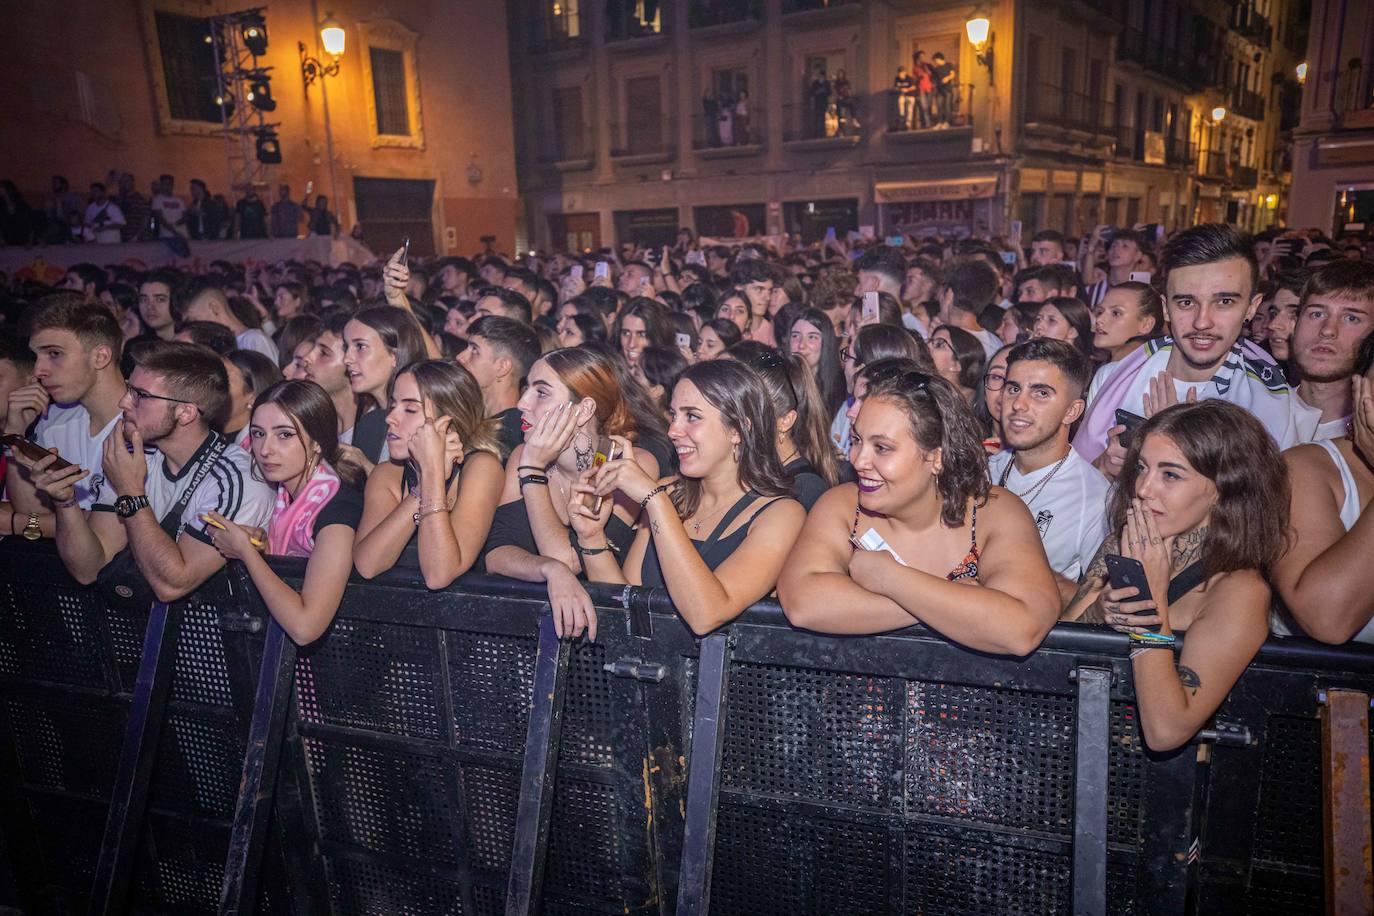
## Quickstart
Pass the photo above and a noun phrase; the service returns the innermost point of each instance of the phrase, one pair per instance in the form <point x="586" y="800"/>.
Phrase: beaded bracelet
<point x="661" y="488"/>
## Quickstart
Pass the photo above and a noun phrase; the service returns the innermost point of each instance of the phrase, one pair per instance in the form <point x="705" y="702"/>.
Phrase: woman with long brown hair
<point x="437" y="494"/>
<point x="716" y="534"/>
<point x="295" y="444"/>
<point x="1202" y="504"/>
<point x="574" y="398"/>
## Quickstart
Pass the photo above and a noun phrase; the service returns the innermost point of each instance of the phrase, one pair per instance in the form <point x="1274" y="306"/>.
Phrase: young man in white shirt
<point x="209" y="303"/>
<point x="1335" y="314"/>
<point x="174" y="391"/>
<point x="1041" y="398"/>
<point x="72" y="404"/>
<point x="170" y="209"/>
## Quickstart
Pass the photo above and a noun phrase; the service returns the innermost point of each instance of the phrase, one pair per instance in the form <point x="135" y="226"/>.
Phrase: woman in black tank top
<point x="716" y="536"/>
<point x="433" y="501"/>
<point x="802" y="440"/>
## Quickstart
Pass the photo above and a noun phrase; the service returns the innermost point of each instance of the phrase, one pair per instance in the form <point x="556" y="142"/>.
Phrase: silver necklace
<point x="1029" y="496"/>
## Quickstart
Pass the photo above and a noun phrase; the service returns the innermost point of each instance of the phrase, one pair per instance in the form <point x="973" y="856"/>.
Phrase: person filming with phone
<point x="1199" y="518"/>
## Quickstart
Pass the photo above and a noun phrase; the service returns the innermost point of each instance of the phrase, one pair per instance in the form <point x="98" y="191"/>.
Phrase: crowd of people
<point x="979" y="436"/>
<point x="115" y="211"/>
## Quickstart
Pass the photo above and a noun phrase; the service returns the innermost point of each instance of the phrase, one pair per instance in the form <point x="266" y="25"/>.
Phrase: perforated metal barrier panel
<point x="443" y="753"/>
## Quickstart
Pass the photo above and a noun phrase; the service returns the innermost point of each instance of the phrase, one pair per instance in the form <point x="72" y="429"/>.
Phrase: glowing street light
<point x="1302" y="72"/>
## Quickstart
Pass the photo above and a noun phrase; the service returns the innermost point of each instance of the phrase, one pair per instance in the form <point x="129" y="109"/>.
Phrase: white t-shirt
<point x="253" y="339"/>
<point x="1070" y="510"/>
<point x="1331" y="429"/>
<point x="990" y="341"/>
<point x="67" y="428"/>
<point x="170" y="210"/>
<point x="228" y="488"/>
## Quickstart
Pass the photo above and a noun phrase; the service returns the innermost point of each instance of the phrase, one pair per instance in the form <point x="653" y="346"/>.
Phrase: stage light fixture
<point x="268" y="146"/>
<point x="260" y="93"/>
<point x="253" y="30"/>
<point x="226" y="102"/>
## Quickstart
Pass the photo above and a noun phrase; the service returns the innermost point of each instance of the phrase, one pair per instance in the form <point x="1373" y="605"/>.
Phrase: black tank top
<point x="715" y="550"/>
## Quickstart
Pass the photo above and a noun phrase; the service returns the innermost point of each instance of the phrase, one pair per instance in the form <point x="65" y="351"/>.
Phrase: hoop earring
<point x="734" y="452"/>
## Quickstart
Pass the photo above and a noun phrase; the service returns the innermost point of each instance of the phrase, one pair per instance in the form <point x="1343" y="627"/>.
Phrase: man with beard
<point x="72" y="404"/>
<point x="1210" y="293"/>
<point x="1042" y="397"/>
<point x="154" y="502"/>
<point x="1334" y="317"/>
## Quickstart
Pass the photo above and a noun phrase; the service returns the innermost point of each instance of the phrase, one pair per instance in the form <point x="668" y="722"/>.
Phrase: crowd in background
<point x="1160" y="434"/>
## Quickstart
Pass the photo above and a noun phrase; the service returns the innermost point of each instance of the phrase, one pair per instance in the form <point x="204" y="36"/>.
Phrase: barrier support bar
<point x="524" y="893"/>
<point x="257" y="786"/>
<point x="1093" y="734"/>
<point x="703" y="778"/>
<point x="128" y="803"/>
<point x="1345" y="797"/>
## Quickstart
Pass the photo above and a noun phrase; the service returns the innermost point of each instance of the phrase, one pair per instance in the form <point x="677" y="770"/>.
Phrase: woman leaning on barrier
<point x="921" y="537"/>
<point x="294" y="438"/>
<point x="572" y="400"/>
<point x="436" y="496"/>
<point x="716" y="535"/>
<point x="1202" y="504"/>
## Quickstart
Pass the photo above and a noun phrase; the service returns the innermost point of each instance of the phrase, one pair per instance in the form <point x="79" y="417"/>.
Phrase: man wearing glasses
<point x="165" y="469"/>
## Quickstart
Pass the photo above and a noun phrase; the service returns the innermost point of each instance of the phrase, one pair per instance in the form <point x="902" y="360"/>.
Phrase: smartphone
<point x="33" y="451"/>
<point x="310" y="187"/>
<point x="870" y="306"/>
<point x="1008" y="257"/>
<point x="684" y="340"/>
<point x="1139" y="276"/>
<point x="896" y="241"/>
<point x="1129" y="420"/>
<point x="1124" y="572"/>
<point x="575" y="272"/>
<point x="606" y="450"/>
<point x="603" y="270"/>
<point x="405" y="251"/>
<point x="1015" y="229"/>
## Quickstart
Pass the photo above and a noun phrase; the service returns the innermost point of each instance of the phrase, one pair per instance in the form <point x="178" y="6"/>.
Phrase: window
<point x="190" y="76"/>
<point x="643" y="115"/>
<point x="389" y="91"/>
<point x="725" y="110"/>
<point x="393" y="105"/>
<point x="632" y="19"/>
<point x="570" y="135"/>
<point x="1068" y="80"/>
<point x="1096" y="78"/>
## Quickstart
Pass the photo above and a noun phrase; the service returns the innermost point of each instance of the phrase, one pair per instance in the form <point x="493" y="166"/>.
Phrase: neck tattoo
<point x="1187" y="548"/>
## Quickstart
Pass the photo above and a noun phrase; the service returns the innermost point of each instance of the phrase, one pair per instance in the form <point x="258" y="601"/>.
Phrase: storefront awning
<point x="894" y="192"/>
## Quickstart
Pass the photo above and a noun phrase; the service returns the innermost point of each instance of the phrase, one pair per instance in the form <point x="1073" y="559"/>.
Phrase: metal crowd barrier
<point x="444" y="752"/>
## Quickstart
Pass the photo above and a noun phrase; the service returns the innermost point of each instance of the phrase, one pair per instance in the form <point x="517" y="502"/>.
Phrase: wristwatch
<point x="32" y="531"/>
<point x="128" y="506"/>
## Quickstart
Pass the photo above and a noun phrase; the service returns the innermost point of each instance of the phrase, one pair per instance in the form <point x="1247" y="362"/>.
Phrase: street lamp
<point x="978" y="27"/>
<point x="1218" y="114"/>
<point x="332" y="39"/>
<point x="1302" y="73"/>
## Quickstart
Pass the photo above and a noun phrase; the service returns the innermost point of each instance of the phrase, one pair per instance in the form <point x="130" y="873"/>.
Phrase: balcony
<point x="1244" y="176"/>
<point x="703" y="15"/>
<point x="1054" y="106"/>
<point x="728" y="138"/>
<point x="1178" y="152"/>
<point x="1254" y="26"/>
<point x="924" y="119"/>
<point x="554" y="32"/>
<point x="1134" y="46"/>
<point x="641" y="144"/>
<point x="1214" y="165"/>
<point x="810" y="125"/>
<point x="1247" y="104"/>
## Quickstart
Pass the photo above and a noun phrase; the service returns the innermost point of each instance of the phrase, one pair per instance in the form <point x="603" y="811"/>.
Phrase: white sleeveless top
<point x="1350" y="514"/>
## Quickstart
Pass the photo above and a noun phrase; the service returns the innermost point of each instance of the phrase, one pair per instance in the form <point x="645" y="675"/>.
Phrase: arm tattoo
<point x="1096" y="570"/>
<point x="1189" y="678"/>
<point x="653" y="526"/>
